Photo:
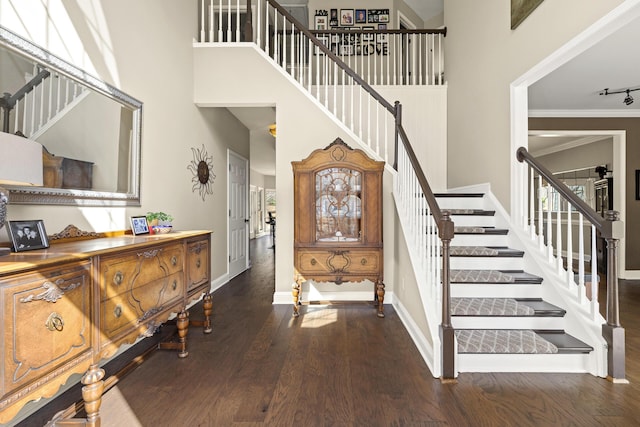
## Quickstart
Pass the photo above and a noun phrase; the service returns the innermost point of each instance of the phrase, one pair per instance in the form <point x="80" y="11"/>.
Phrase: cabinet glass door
<point x="338" y="205"/>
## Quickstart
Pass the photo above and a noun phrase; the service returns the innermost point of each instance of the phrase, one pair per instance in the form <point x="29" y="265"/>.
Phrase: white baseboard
<point x="424" y="347"/>
<point x="219" y="282"/>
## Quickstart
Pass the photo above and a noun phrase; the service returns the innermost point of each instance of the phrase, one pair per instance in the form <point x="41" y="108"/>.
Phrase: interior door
<point x="238" y="214"/>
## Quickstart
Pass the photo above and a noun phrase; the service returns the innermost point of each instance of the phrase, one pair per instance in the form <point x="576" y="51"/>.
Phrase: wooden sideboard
<point x="67" y="307"/>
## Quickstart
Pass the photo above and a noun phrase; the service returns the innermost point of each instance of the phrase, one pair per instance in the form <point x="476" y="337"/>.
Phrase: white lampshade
<point x="20" y="160"/>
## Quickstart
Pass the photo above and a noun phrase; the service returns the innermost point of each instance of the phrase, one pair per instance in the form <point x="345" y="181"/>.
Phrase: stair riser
<point x="479" y="240"/>
<point x="502" y="322"/>
<point x="488" y="290"/>
<point x="486" y="263"/>
<point x="473" y="221"/>
<point x="461" y="202"/>
<point x="523" y="363"/>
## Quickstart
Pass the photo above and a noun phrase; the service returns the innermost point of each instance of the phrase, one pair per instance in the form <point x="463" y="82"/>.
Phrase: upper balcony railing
<point x="379" y="56"/>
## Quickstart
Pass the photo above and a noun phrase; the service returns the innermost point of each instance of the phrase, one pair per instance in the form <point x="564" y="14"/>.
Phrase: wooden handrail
<point x="333" y="57"/>
<point x="580" y="205"/>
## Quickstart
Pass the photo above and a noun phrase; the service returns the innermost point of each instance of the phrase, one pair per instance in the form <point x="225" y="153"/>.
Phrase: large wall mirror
<point x="90" y="131"/>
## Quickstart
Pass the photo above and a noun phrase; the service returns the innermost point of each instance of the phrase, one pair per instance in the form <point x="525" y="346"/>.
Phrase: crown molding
<point x="584" y="113"/>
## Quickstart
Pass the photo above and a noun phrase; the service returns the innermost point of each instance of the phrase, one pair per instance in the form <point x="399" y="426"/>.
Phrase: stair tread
<point x="491" y="251"/>
<point x="493" y="276"/>
<point x="504" y="307"/>
<point x="564" y="342"/>
<point x="469" y="212"/>
<point x="503" y="341"/>
<point x="479" y="230"/>
<point x="468" y="195"/>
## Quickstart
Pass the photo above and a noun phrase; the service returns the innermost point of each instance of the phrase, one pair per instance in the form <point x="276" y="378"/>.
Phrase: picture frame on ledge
<point x="27" y="235"/>
<point x="139" y="225"/>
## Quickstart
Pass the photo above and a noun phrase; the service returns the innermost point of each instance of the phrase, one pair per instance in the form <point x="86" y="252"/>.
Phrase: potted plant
<point x="160" y="222"/>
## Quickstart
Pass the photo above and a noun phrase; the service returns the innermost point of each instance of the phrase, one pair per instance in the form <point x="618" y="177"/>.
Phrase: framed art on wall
<point x="321" y="22"/>
<point x="27" y="235"/>
<point x="361" y="16"/>
<point x="346" y="17"/>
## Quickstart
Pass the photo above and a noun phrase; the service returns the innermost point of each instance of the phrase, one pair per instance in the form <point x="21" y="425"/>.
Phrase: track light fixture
<point x="628" y="100"/>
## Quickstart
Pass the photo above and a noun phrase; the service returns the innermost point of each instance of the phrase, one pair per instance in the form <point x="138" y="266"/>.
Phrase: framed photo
<point x="335" y="38"/>
<point x="346" y="50"/>
<point x="321" y="22"/>
<point x="333" y="18"/>
<point x="27" y="235"/>
<point x="378" y="15"/>
<point x="139" y="225"/>
<point x="382" y="38"/>
<point x="346" y="17"/>
<point x="361" y="16"/>
<point x="382" y="26"/>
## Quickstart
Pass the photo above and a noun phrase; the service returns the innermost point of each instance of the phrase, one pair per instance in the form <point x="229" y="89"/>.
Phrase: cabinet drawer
<point x="338" y="262"/>
<point x="197" y="263"/>
<point x="47" y="322"/>
<point x="138" y="304"/>
<point x="133" y="269"/>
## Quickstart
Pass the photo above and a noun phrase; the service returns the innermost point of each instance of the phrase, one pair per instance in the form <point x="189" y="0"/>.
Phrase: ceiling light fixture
<point x="628" y="100"/>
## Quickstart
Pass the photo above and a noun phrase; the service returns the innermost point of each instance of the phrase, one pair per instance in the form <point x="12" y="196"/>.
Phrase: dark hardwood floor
<point x="343" y="366"/>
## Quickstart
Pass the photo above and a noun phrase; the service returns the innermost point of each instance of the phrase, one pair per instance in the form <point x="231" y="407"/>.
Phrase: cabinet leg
<point x="380" y="295"/>
<point x="182" y="323"/>
<point x="183" y="327"/>
<point x="297" y="294"/>
<point x="207" y="307"/>
<point x="92" y="394"/>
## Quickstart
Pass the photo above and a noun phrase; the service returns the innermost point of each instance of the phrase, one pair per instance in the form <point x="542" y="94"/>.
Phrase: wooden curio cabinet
<point x="338" y="219"/>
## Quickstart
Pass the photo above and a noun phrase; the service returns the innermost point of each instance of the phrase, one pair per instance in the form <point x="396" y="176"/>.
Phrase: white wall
<point x="483" y="57"/>
<point x="144" y="49"/>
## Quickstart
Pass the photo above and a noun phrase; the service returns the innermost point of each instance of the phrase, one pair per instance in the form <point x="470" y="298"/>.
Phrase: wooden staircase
<point x="501" y="319"/>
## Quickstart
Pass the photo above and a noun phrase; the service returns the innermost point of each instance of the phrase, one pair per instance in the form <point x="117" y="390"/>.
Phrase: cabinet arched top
<point x="337" y="154"/>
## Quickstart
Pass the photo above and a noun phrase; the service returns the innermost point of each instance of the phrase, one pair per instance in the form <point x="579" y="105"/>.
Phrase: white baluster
<point x="202" y="11"/>
<point x="211" y="21"/>
<point x="229" y="29"/>
<point x="594" y="274"/>
<point x="266" y="32"/>
<point x="581" y="288"/>
<point x="559" y="238"/>
<point x="570" y="277"/>
<point x="258" y="32"/>
<point x="549" y="225"/>
<point x="532" y="193"/>
<point x="238" y="21"/>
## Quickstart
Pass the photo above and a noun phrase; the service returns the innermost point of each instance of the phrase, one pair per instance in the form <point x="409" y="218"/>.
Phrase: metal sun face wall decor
<point x="202" y="169"/>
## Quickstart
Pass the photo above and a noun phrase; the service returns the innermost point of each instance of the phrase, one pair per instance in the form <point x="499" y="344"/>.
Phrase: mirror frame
<point x="72" y="197"/>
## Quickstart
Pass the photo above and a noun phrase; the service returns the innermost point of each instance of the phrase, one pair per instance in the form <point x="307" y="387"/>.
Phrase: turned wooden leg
<point x="297" y="294"/>
<point x="92" y="394"/>
<point x="207" y="305"/>
<point x="183" y="327"/>
<point x="380" y="295"/>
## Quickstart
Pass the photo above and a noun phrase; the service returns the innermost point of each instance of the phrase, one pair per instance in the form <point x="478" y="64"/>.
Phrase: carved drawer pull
<point x="118" y="278"/>
<point x="54" y="322"/>
<point x="175" y="285"/>
<point x="363" y="261"/>
<point x="174" y="260"/>
<point x="313" y="261"/>
<point x="117" y="311"/>
<point x="198" y="263"/>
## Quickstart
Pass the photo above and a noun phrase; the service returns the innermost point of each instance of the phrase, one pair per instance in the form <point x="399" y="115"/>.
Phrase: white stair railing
<point x="36" y="107"/>
<point x="553" y="224"/>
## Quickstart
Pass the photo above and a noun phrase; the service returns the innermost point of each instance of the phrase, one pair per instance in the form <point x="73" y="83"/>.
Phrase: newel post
<point x="447" y="333"/>
<point x="612" y="331"/>
<point x="248" y="26"/>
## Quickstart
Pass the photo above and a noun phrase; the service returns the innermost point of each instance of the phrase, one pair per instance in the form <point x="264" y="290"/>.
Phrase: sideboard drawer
<point x="139" y="304"/>
<point x="338" y="262"/>
<point x="47" y="322"/>
<point x="127" y="271"/>
<point x="197" y="264"/>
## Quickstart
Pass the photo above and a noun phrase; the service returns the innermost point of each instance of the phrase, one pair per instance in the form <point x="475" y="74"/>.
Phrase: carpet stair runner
<point x="503" y="322"/>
